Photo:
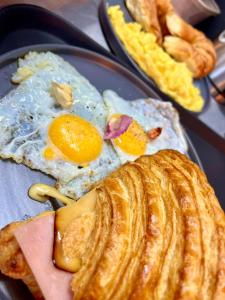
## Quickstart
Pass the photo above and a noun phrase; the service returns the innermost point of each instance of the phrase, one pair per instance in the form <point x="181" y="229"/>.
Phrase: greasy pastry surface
<point x="159" y="233"/>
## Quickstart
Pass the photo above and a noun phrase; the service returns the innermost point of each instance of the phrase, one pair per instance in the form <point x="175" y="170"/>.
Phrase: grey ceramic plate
<point x="16" y="179"/>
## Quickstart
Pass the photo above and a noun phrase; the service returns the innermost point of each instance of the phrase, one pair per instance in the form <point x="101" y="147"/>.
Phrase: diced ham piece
<point x="36" y="241"/>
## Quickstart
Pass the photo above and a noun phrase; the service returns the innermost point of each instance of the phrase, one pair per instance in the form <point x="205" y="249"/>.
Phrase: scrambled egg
<point x="173" y="78"/>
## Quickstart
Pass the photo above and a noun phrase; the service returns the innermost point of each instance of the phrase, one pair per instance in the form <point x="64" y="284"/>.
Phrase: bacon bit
<point x="117" y="126"/>
<point x="154" y="133"/>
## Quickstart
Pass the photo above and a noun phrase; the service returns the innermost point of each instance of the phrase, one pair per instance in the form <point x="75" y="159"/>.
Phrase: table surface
<point x="84" y="15"/>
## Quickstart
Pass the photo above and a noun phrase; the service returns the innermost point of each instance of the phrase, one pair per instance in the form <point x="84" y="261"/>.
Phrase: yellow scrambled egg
<point x="173" y="78"/>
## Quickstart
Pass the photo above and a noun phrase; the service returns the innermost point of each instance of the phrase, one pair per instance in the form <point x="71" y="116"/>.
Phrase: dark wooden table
<point x="84" y="15"/>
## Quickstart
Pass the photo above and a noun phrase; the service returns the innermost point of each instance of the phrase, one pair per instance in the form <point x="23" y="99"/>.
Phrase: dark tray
<point x="26" y="24"/>
<point x="22" y="25"/>
<point x="17" y="178"/>
<point x="209" y="123"/>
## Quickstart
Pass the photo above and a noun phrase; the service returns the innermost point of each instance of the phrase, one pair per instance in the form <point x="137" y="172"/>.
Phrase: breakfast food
<point x="172" y="77"/>
<point x="34" y="125"/>
<point x="180" y="40"/>
<point x="153" y="229"/>
<point x="55" y="121"/>
<point x="145" y="13"/>
<point x="13" y="264"/>
<point x="146" y="115"/>
<point x="149" y="115"/>
<point x="189" y="45"/>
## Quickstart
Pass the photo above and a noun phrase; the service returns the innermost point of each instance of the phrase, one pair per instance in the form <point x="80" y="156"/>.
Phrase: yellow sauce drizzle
<point x="63" y="218"/>
<point x="42" y="192"/>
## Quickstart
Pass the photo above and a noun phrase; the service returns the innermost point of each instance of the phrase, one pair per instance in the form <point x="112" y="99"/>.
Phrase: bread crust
<point x="164" y="234"/>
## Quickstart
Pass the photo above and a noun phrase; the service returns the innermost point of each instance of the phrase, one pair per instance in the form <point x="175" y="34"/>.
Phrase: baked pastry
<point x="145" y="13"/>
<point x="189" y="45"/>
<point x="163" y="8"/>
<point x="159" y="233"/>
<point x="183" y="42"/>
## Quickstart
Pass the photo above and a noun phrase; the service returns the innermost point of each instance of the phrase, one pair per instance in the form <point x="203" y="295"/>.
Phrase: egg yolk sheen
<point x="74" y="139"/>
<point x="133" y="141"/>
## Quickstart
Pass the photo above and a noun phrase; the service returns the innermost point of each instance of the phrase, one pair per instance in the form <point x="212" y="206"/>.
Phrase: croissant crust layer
<point x="160" y="234"/>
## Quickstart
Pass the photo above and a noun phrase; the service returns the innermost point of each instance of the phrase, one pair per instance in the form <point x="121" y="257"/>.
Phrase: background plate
<point x="209" y="123"/>
<point x="16" y="179"/>
<point x="121" y="51"/>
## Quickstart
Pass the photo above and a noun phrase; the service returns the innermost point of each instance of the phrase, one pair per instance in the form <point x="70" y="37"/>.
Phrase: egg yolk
<point x="74" y="139"/>
<point x="49" y="153"/>
<point x="133" y="141"/>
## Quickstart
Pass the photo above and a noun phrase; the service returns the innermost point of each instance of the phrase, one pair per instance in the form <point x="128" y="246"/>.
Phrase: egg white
<point x="27" y="111"/>
<point x="149" y="114"/>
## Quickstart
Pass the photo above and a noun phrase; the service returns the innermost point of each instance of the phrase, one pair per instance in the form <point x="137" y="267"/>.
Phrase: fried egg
<point x="64" y="143"/>
<point x="68" y="142"/>
<point x="147" y="114"/>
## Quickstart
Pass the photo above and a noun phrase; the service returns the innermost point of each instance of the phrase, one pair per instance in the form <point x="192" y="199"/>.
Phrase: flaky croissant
<point x="159" y="234"/>
<point x="145" y="12"/>
<point x="182" y="41"/>
<point x="163" y="8"/>
<point x="189" y="45"/>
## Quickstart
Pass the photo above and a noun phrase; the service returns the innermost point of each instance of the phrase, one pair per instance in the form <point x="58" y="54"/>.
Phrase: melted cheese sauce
<point x="73" y="225"/>
<point x="42" y="193"/>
